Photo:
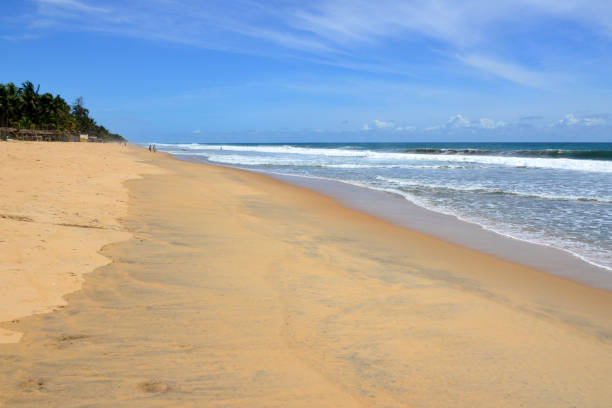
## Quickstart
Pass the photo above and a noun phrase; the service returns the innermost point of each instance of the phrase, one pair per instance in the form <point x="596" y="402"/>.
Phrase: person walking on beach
<point x="149" y="148"/>
<point x="154" y="149"/>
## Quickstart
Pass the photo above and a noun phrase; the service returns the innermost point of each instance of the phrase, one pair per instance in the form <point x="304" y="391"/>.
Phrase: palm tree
<point x="9" y="95"/>
<point x="81" y="116"/>
<point x="14" y="94"/>
<point x="30" y="102"/>
<point x="56" y="112"/>
<point x="61" y="117"/>
<point x="45" y="110"/>
<point x="25" y="108"/>
<point x="24" y="123"/>
<point x="9" y="104"/>
<point x="4" y="106"/>
<point x="4" y="102"/>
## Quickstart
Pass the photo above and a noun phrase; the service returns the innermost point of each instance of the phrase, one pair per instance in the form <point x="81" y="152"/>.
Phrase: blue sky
<point x="335" y="70"/>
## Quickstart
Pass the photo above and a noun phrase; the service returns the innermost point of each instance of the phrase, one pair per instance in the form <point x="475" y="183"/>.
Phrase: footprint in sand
<point x="71" y="337"/>
<point x="183" y="347"/>
<point x="68" y="339"/>
<point x="33" y="384"/>
<point x="154" y="386"/>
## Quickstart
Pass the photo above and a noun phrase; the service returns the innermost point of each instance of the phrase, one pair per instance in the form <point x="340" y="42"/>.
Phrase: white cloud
<point x="21" y="37"/>
<point x="382" y="124"/>
<point x="72" y="5"/>
<point x="594" y="121"/>
<point x="509" y="71"/>
<point x="463" y="24"/>
<point x="406" y="128"/>
<point x="568" y="120"/>
<point x="387" y="126"/>
<point x="486" y="123"/>
<point x="197" y="132"/>
<point x="571" y="120"/>
<point x="458" y="121"/>
<point x="332" y="32"/>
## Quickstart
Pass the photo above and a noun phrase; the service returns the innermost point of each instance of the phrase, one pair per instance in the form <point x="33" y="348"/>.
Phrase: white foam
<point x="402" y="158"/>
<point x="486" y="189"/>
<point x="294" y="156"/>
<point x="579" y="250"/>
<point x="291" y="161"/>
<point x="256" y="160"/>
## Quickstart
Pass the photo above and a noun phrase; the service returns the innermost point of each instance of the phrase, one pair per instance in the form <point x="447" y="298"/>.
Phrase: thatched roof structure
<point x="38" y="135"/>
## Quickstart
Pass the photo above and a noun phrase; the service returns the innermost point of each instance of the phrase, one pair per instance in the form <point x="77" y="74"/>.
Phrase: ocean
<point x="554" y="194"/>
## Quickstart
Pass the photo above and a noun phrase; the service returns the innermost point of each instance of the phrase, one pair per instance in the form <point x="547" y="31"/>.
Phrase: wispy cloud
<point x="360" y="21"/>
<point x="19" y="37"/>
<point x="486" y="123"/>
<point x="353" y="34"/>
<point x="386" y="125"/>
<point x="531" y="118"/>
<point x="381" y="124"/>
<point x="568" y="120"/>
<point x="511" y="72"/>
<point x="571" y="120"/>
<point x="458" y="121"/>
<point x="70" y="5"/>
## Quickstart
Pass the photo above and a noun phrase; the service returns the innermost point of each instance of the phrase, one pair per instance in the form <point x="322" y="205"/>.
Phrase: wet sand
<point x="399" y="211"/>
<point x="235" y="289"/>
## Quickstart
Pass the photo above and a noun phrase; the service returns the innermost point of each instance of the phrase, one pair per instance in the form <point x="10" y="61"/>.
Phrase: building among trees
<point x="27" y="114"/>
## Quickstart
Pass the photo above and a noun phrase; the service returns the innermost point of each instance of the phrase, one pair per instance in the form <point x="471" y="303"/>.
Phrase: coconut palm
<point x="9" y="104"/>
<point x="30" y="102"/>
<point x="45" y="111"/>
<point x="24" y="123"/>
<point x="25" y="108"/>
<point x="62" y="119"/>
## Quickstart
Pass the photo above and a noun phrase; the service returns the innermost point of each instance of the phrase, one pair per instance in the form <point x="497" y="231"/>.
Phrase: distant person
<point x="149" y="147"/>
<point x="154" y="149"/>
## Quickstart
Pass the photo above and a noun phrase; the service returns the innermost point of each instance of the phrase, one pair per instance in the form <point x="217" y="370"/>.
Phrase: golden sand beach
<point x="133" y="279"/>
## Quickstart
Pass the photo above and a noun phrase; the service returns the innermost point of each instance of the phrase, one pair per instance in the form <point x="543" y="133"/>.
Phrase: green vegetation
<point x="25" y="108"/>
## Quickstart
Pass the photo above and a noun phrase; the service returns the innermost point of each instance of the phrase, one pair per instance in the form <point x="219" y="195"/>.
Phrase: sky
<point x="316" y="71"/>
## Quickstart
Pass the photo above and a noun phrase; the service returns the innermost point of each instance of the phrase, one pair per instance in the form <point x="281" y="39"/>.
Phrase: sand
<point x="59" y="204"/>
<point x="233" y="289"/>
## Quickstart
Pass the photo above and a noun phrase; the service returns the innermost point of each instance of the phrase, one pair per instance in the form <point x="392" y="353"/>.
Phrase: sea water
<point x="555" y="194"/>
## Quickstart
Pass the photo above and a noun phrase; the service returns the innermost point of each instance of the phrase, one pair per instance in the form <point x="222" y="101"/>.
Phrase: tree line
<point x="25" y="107"/>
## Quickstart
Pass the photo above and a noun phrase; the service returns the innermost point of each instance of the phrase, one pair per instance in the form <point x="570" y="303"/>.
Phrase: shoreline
<point x="237" y="289"/>
<point x="402" y="212"/>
